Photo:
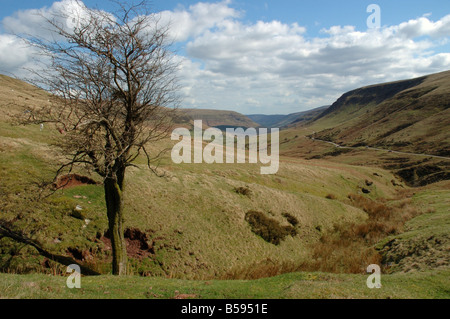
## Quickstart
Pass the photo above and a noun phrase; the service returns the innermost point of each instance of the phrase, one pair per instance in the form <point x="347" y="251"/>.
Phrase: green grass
<point x="193" y="215"/>
<point x="196" y="225"/>
<point x="424" y="285"/>
<point x="424" y="243"/>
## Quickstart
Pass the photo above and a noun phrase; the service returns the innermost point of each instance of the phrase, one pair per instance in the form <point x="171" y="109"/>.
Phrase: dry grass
<point x="197" y="218"/>
<point x="263" y="269"/>
<point x="420" y="127"/>
<point x="349" y="248"/>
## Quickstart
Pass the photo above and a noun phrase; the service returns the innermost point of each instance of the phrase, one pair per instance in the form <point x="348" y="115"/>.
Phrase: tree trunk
<point x="114" y="207"/>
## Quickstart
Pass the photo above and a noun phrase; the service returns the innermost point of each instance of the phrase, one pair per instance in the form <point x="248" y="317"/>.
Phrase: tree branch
<point x="64" y="260"/>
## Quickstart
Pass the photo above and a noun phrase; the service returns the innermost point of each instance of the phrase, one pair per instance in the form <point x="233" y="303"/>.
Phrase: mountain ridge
<point x="282" y="121"/>
<point x="410" y="115"/>
<point x="219" y="118"/>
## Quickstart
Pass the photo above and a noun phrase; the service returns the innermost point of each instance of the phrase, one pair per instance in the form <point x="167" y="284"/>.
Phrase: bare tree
<point x="113" y="84"/>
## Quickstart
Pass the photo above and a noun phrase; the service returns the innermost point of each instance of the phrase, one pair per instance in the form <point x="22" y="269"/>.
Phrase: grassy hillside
<point x="280" y="121"/>
<point x="410" y="115"/>
<point x="425" y="242"/>
<point x="392" y="125"/>
<point x="206" y="222"/>
<point x="268" y="121"/>
<point x="305" y="117"/>
<point x="219" y="119"/>
<point x="188" y="224"/>
<point x="193" y="220"/>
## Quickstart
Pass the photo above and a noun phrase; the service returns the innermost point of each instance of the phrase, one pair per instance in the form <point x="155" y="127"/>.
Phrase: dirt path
<point x="377" y="149"/>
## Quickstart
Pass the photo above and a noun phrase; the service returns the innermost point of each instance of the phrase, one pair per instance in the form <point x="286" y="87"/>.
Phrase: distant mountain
<point x="219" y="119"/>
<point x="266" y="120"/>
<point x="307" y="116"/>
<point x="410" y="115"/>
<point x="280" y="121"/>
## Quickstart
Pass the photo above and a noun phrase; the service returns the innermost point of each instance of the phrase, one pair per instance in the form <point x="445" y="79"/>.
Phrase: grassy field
<point x="188" y="231"/>
<point x="421" y="285"/>
<point x="194" y="216"/>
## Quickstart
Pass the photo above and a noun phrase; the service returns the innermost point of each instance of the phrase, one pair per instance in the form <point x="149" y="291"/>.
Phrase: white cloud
<point x="199" y="18"/>
<point x="273" y="64"/>
<point x="272" y="67"/>
<point x="33" y="21"/>
<point x="13" y="53"/>
<point x="424" y="27"/>
<point x="15" y="56"/>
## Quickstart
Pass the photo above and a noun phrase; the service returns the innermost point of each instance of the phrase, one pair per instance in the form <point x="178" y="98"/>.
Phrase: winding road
<point x="378" y="149"/>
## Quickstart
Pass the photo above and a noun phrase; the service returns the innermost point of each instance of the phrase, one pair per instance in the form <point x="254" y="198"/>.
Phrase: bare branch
<point x="19" y="237"/>
<point x="113" y="82"/>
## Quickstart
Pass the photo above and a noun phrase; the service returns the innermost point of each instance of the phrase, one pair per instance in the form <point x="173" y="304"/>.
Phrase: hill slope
<point x="280" y="121"/>
<point x="411" y="115"/>
<point x="191" y="223"/>
<point x="267" y="120"/>
<point x="219" y="119"/>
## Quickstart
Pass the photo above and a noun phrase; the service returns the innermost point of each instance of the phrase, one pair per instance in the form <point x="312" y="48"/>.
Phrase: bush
<point x="375" y="210"/>
<point x="269" y="229"/>
<point x="350" y="247"/>
<point x="291" y="219"/>
<point x="246" y="191"/>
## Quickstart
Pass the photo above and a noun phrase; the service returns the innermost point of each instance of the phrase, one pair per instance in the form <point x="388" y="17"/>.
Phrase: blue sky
<point x="306" y="12"/>
<point x="271" y="57"/>
<point x="315" y="14"/>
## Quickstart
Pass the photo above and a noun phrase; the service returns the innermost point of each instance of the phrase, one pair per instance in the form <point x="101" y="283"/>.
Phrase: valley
<point x="346" y="195"/>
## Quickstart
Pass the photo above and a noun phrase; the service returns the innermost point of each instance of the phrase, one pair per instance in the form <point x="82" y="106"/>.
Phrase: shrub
<point x="291" y="219"/>
<point x="368" y="183"/>
<point x="267" y="228"/>
<point x="246" y="191"/>
<point x="290" y="230"/>
<point x="350" y="247"/>
<point x="374" y="209"/>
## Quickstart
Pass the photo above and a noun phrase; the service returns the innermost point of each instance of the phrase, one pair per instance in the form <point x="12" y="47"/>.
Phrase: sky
<point x="271" y="57"/>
